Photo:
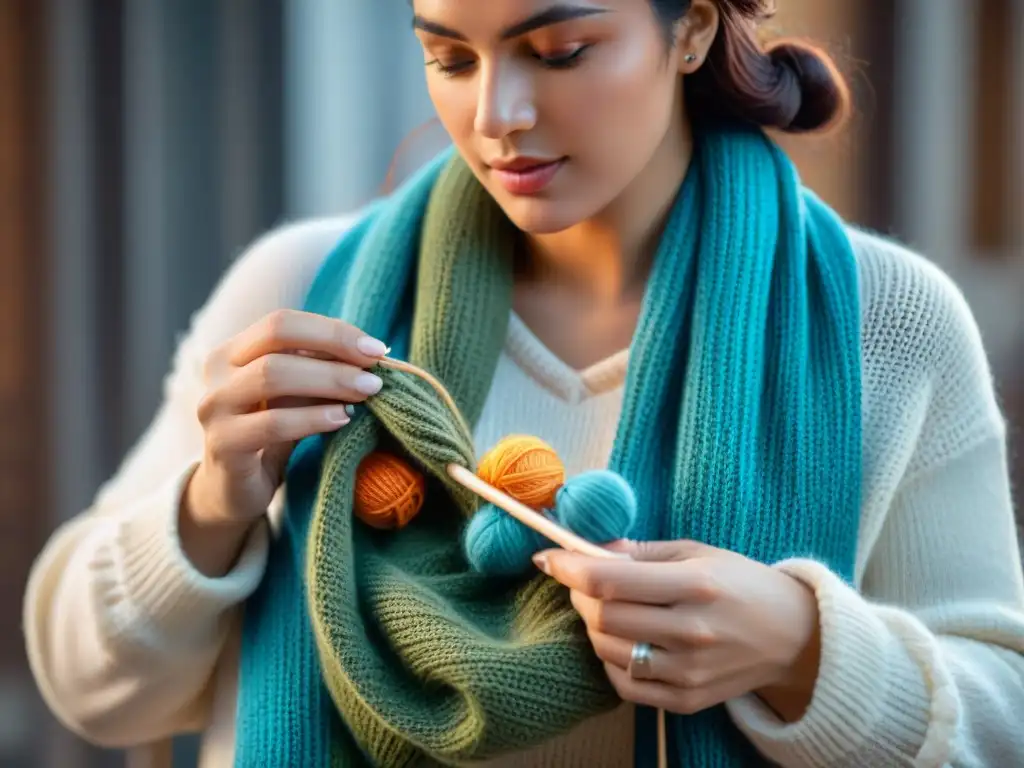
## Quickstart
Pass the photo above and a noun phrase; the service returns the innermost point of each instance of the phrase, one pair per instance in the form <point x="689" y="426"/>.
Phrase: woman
<point x="827" y="573"/>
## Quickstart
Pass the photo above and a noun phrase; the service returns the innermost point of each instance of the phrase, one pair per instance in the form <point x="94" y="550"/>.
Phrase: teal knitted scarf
<point x="740" y="428"/>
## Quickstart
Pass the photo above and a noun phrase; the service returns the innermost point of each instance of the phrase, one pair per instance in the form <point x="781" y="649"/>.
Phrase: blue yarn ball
<point x="600" y="506"/>
<point x="499" y="545"/>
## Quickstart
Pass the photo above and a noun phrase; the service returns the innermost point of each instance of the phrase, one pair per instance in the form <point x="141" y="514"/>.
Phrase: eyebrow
<point x="556" y="14"/>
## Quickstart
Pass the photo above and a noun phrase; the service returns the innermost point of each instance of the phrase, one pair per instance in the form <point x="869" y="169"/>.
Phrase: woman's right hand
<point x="288" y="376"/>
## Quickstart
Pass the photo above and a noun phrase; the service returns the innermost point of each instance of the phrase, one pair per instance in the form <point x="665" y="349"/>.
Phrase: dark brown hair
<point x="788" y="85"/>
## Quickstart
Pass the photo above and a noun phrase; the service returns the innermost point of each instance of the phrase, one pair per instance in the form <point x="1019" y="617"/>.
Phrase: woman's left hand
<point x="720" y="624"/>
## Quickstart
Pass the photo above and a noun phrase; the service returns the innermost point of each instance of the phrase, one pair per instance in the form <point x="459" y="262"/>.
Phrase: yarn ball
<point x="526" y="468"/>
<point x="499" y="545"/>
<point x="389" y="493"/>
<point x="600" y="506"/>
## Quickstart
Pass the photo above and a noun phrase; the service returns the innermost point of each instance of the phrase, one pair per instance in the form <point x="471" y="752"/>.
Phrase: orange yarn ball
<point x="526" y="468"/>
<point x="389" y="493"/>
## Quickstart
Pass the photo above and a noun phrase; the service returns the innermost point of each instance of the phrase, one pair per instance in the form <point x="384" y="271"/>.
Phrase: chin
<point x="543" y="216"/>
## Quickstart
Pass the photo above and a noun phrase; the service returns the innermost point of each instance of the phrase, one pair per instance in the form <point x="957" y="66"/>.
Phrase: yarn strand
<point x="739" y="428"/>
<point x="485" y="490"/>
<point x="442" y="391"/>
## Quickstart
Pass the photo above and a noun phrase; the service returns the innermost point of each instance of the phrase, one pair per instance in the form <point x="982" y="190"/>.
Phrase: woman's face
<point x="556" y="106"/>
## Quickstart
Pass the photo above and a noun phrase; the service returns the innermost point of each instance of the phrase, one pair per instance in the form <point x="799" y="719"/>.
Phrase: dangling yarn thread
<point x="526" y="468"/>
<point x="389" y="493"/>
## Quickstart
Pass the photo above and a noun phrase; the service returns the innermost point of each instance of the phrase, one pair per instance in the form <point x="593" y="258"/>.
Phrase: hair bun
<point x="812" y="84"/>
<point x="789" y="85"/>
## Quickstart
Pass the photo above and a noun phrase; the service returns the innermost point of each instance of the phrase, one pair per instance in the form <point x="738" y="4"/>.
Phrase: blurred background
<point x="144" y="143"/>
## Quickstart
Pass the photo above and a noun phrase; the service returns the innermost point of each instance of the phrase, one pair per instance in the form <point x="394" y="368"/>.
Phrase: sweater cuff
<point x="877" y="701"/>
<point x="153" y="588"/>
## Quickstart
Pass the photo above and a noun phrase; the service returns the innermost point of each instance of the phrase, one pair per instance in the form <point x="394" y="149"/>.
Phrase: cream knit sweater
<point x="922" y="665"/>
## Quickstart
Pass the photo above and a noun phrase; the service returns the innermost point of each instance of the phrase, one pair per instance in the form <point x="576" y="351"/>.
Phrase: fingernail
<point x="337" y="416"/>
<point x="541" y="561"/>
<point x="372" y="347"/>
<point x="368" y="383"/>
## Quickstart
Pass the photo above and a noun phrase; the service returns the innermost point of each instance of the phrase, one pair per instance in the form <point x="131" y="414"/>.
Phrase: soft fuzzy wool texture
<point x="422" y="657"/>
<point x="388" y="492"/>
<point x="921" y="660"/>
<point x="526" y="468"/>
<point x="744" y="381"/>
<point x="599" y="506"/>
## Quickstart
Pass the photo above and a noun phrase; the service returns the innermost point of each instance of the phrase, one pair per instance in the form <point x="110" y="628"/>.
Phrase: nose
<point x="504" y="103"/>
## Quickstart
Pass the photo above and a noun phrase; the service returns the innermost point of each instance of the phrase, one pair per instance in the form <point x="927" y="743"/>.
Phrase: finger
<point x="653" y="583"/>
<point x="299" y="402"/>
<point x="274" y="459"/>
<point x="624" y="546"/>
<point x="672" y="698"/>
<point x="674" y="627"/>
<point x="646" y="693"/>
<point x="633" y="621"/>
<point x="662" y="551"/>
<point x="252" y="432"/>
<point x="276" y="376"/>
<point x="291" y="329"/>
<point x="618" y="652"/>
<point x="680" y="669"/>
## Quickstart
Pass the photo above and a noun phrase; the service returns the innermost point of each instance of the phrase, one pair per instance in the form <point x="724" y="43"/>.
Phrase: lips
<point x="526" y="175"/>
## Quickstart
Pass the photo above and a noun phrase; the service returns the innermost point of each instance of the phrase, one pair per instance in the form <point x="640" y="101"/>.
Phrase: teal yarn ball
<point x="499" y="545"/>
<point x="600" y="506"/>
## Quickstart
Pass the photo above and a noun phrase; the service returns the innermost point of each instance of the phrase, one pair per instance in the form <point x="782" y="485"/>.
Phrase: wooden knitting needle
<point x="442" y="391"/>
<point x="540" y="523"/>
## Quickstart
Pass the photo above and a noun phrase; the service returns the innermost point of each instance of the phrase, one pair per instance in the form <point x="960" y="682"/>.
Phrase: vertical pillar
<point x="73" y="390"/>
<point x="348" y="105"/>
<point x="250" y="120"/>
<point x="934" y="86"/>
<point x="332" y="71"/>
<point x="172" y="197"/>
<point x="1017" y="144"/>
<point x="148" y="259"/>
<point x="24" y="274"/>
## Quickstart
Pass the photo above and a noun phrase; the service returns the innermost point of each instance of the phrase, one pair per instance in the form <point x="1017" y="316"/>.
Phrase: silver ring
<point x="640" y="662"/>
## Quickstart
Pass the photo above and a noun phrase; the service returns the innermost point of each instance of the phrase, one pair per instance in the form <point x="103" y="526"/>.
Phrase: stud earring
<point x="690" y="58"/>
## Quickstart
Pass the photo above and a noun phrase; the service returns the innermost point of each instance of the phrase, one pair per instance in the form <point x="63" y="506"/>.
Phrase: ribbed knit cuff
<point x="875" y="702"/>
<point x="155" y="593"/>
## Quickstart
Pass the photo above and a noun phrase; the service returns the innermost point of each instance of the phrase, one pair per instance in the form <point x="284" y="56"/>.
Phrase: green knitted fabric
<point x="740" y="428"/>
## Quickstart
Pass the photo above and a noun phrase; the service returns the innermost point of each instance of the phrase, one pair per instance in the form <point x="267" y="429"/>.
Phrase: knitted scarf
<point x="740" y="428"/>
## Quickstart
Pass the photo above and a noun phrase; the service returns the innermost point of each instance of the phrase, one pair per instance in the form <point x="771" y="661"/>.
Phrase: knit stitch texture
<point x="740" y="427"/>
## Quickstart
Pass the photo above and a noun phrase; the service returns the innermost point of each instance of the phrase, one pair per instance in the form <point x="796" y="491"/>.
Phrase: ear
<point x="695" y="33"/>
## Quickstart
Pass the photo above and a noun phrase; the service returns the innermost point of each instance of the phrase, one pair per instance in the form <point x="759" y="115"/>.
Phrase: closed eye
<point x="564" y="61"/>
<point x="450" y="70"/>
